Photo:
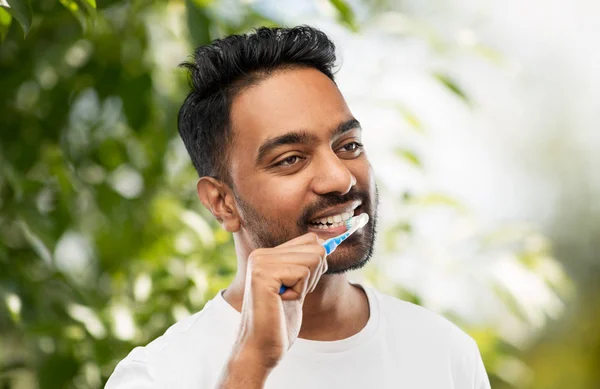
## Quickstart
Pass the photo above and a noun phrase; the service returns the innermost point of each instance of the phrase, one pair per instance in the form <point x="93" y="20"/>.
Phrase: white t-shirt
<point x="401" y="346"/>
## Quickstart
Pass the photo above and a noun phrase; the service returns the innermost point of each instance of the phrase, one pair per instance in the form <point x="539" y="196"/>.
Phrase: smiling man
<point x="282" y="167"/>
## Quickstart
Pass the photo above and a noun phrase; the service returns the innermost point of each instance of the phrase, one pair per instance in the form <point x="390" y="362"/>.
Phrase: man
<point x="281" y="167"/>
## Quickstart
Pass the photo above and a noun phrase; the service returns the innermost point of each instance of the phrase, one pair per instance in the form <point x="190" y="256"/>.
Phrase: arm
<point x="270" y="321"/>
<point x="242" y="371"/>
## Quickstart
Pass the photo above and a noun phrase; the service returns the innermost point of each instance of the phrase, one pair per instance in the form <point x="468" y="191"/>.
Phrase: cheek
<point x="284" y="195"/>
<point x="365" y="176"/>
<point x="277" y="197"/>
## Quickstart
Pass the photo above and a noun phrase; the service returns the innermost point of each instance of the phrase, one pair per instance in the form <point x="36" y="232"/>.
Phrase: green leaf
<point x="36" y="243"/>
<point x="21" y="11"/>
<point x="346" y="14"/>
<point x="83" y="10"/>
<point x="90" y="8"/>
<point x="410" y="118"/>
<point x="56" y="371"/>
<point x="433" y="199"/>
<point x="453" y="87"/>
<point x="510" y="302"/>
<point x="5" y="20"/>
<point x="489" y="54"/>
<point x="409" y="157"/>
<point x="198" y="22"/>
<point x="73" y="6"/>
<point x="392" y="235"/>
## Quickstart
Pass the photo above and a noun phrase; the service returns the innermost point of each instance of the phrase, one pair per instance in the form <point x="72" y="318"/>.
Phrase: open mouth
<point x="334" y="221"/>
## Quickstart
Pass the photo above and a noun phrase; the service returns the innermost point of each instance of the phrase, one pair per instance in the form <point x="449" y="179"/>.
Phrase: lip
<point x="336" y="211"/>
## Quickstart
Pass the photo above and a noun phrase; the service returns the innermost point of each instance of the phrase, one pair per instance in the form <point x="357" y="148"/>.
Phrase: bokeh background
<point x="481" y="120"/>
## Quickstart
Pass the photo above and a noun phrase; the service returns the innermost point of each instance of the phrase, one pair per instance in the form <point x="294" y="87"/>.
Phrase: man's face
<point x="297" y="157"/>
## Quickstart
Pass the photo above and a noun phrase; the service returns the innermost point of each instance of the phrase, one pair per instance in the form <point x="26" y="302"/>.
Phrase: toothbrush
<point x="352" y="225"/>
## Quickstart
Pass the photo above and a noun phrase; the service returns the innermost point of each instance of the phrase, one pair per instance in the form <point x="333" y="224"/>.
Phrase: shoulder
<point x="194" y="344"/>
<point x="422" y="325"/>
<point x="428" y="339"/>
<point x="202" y="328"/>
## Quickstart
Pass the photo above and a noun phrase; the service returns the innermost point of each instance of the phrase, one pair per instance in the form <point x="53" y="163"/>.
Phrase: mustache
<point x="331" y="200"/>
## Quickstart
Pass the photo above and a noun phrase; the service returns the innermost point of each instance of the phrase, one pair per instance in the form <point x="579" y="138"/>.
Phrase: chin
<point x="346" y="260"/>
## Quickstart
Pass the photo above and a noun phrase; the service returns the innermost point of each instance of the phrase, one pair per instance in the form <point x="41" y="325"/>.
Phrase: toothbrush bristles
<point x="349" y="223"/>
<point x="357" y="222"/>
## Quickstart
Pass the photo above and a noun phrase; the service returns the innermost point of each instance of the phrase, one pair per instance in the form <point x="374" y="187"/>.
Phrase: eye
<point x="289" y="161"/>
<point x="352" y="146"/>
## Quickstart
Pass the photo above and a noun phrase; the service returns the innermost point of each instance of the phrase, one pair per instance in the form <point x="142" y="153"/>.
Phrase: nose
<point x="332" y="176"/>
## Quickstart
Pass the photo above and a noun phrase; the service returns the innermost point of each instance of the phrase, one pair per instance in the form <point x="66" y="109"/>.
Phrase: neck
<point x="334" y="310"/>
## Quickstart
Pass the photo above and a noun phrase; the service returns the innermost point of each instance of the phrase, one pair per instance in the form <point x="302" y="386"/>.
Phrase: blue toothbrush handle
<point x="330" y="245"/>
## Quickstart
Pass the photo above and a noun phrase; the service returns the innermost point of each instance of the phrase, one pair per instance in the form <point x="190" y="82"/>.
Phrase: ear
<point x="218" y="199"/>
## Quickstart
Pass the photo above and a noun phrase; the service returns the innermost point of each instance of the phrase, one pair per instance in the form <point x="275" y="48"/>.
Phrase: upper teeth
<point x="342" y="217"/>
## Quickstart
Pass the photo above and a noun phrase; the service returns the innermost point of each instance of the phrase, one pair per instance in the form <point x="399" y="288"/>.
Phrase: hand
<point x="271" y="322"/>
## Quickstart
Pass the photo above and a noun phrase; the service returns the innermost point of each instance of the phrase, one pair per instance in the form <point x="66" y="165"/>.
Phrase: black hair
<point x="225" y="67"/>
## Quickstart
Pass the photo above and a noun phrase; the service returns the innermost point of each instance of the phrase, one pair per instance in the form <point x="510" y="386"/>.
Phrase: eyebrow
<point x="295" y="137"/>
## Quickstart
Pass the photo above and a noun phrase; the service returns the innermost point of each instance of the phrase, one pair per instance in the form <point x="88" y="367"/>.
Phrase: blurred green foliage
<point x="103" y="243"/>
<point x="99" y="225"/>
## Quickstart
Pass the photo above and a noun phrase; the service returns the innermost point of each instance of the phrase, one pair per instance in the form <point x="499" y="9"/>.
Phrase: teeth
<point x="342" y="217"/>
<point x="333" y="221"/>
<point x="333" y="225"/>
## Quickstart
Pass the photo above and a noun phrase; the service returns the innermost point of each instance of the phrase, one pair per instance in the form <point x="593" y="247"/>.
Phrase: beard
<point x="354" y="253"/>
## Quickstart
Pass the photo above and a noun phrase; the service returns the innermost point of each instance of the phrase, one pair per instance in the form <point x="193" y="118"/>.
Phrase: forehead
<point x="289" y="100"/>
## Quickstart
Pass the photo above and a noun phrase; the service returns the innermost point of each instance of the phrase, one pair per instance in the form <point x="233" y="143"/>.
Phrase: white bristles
<point x="357" y="222"/>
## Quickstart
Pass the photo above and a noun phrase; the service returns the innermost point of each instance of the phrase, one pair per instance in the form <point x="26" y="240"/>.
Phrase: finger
<point x="316" y="278"/>
<point x="302" y="248"/>
<point x="310" y="237"/>
<point x="311" y="260"/>
<point x="317" y="272"/>
<point x="322" y="270"/>
<point x="295" y="277"/>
